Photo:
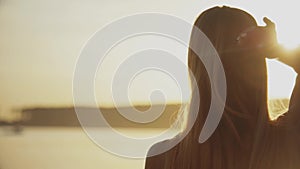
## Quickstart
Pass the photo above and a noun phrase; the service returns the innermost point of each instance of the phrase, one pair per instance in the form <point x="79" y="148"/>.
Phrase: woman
<point x="245" y="137"/>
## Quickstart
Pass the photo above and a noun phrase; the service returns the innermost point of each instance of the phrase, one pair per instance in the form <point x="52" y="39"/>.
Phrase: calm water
<point x="65" y="148"/>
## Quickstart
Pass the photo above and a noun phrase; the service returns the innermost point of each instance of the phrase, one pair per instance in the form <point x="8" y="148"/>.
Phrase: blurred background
<point x="39" y="46"/>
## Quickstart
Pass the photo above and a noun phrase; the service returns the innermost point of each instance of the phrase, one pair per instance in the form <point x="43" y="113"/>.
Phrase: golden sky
<point x="41" y="41"/>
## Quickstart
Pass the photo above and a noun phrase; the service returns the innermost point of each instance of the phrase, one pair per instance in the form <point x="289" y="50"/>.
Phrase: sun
<point x="289" y="43"/>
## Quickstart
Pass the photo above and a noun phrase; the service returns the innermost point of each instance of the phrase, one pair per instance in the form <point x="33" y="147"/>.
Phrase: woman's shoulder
<point x="160" y="147"/>
<point x="154" y="159"/>
<point x="158" y="152"/>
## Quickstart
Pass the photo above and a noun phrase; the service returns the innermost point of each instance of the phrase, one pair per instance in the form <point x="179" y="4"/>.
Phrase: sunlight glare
<point x="287" y="30"/>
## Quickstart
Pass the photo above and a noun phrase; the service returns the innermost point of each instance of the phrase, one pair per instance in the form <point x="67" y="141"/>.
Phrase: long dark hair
<point x="245" y="114"/>
<point x="237" y="137"/>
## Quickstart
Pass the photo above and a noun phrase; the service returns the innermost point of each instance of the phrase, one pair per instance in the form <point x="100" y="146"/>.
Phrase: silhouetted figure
<point x="245" y="137"/>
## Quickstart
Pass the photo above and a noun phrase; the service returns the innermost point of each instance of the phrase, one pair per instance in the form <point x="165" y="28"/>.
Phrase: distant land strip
<point x="66" y="116"/>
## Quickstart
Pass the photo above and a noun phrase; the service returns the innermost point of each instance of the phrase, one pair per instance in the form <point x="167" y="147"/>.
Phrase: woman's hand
<point x="289" y="57"/>
<point x="260" y="39"/>
<point x="268" y="39"/>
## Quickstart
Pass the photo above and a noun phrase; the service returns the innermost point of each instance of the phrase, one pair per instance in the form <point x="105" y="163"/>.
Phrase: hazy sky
<point x="41" y="40"/>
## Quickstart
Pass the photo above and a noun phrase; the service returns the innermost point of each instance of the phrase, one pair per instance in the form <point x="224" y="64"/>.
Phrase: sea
<point x="66" y="148"/>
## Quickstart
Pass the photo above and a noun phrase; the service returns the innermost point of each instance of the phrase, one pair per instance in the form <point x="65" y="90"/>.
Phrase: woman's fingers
<point x="268" y="22"/>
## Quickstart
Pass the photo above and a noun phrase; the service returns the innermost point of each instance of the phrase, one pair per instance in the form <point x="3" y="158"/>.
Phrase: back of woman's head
<point x="245" y="71"/>
<point x="222" y="25"/>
